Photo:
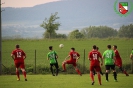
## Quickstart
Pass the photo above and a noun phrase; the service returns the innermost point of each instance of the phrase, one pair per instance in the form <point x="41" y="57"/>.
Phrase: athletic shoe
<point x="107" y="80"/>
<point x="127" y="75"/>
<point x="115" y="80"/>
<point x="92" y="83"/>
<point x="18" y="79"/>
<point x="53" y="75"/>
<point x="63" y="71"/>
<point x="25" y="79"/>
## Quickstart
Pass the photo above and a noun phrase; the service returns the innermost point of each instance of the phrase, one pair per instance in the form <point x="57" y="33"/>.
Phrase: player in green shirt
<point x="52" y="57"/>
<point x="109" y="57"/>
<point x="131" y="55"/>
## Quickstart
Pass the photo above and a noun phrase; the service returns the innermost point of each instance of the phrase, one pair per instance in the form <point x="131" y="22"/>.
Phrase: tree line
<point x="50" y="25"/>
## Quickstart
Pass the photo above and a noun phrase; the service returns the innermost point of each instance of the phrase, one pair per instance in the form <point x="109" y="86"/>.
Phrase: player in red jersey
<point x="18" y="56"/>
<point x="118" y="60"/>
<point x="94" y="56"/>
<point x="74" y="56"/>
<point x="99" y="64"/>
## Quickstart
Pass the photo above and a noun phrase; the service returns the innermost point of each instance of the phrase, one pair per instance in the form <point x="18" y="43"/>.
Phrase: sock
<point x="99" y="78"/>
<point x="106" y="76"/>
<point x="24" y="73"/>
<point x="56" y="71"/>
<point x="77" y="70"/>
<point x="17" y="73"/>
<point x="125" y="72"/>
<point x="92" y="77"/>
<point x="51" y="70"/>
<point x="64" y="66"/>
<point x="115" y="75"/>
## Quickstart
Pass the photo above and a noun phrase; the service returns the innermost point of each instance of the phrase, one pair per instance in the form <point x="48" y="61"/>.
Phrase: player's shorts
<point x="118" y="63"/>
<point x="71" y="62"/>
<point x="95" y="67"/>
<point x="56" y="65"/>
<point x="108" y="67"/>
<point x="19" y="64"/>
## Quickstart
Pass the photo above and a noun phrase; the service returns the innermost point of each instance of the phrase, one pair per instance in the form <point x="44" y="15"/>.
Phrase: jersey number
<point x="74" y="56"/>
<point x="19" y="54"/>
<point x="109" y="55"/>
<point x="94" y="56"/>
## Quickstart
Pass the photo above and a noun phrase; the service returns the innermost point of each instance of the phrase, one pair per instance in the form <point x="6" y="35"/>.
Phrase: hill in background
<point x="74" y="14"/>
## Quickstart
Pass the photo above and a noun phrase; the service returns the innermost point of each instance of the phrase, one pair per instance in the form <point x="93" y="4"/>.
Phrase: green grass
<point x="41" y="47"/>
<point x="64" y="81"/>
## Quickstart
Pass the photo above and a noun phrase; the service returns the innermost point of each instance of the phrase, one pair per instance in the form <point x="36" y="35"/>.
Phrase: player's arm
<point x="24" y="55"/>
<point x="89" y="56"/>
<point x="101" y="58"/>
<point x="13" y="57"/>
<point x="67" y="57"/>
<point x="131" y="56"/>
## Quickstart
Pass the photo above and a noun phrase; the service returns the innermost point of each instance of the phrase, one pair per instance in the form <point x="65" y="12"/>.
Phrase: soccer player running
<point x="74" y="56"/>
<point x="52" y="56"/>
<point x="94" y="63"/>
<point x="131" y="55"/>
<point x="109" y="57"/>
<point x="118" y="60"/>
<point x="18" y="55"/>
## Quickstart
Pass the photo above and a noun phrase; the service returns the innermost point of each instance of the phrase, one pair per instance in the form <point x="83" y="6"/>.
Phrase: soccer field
<point x="64" y="81"/>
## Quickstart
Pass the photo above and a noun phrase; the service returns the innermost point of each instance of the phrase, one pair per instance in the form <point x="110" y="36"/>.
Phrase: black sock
<point x="115" y="75"/>
<point x="106" y="76"/>
<point x="51" y="70"/>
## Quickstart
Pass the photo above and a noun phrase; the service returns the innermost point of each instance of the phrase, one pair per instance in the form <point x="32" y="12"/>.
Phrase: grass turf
<point x="64" y="81"/>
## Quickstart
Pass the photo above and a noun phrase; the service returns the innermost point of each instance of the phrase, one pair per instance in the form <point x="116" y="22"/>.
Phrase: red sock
<point x="24" y="73"/>
<point x="17" y="73"/>
<point x="64" y="66"/>
<point x="92" y="77"/>
<point x="99" y="78"/>
<point x="125" y="72"/>
<point x="77" y="70"/>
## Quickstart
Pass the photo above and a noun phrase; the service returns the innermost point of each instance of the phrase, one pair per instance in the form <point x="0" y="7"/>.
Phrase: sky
<point x="24" y="3"/>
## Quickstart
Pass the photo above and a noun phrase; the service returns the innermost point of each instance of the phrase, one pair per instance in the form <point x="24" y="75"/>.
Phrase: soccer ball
<point x="61" y="45"/>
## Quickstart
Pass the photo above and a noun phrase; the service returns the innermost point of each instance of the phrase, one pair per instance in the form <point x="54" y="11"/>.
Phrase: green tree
<point x="50" y="24"/>
<point x="126" y="31"/>
<point x="99" y="32"/>
<point x="75" y="34"/>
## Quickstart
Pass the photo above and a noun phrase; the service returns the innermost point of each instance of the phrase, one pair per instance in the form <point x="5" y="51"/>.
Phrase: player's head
<point x="72" y="49"/>
<point x="97" y="48"/>
<point x="17" y="46"/>
<point x="109" y="46"/>
<point x="114" y="47"/>
<point x="50" y="47"/>
<point x="94" y="47"/>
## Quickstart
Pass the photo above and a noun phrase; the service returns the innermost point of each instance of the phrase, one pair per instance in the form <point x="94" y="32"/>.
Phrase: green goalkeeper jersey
<point x="108" y="56"/>
<point x="52" y="57"/>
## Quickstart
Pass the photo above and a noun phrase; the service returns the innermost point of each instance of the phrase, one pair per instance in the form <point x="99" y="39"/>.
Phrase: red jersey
<point x="94" y="57"/>
<point x="73" y="56"/>
<point x="117" y="55"/>
<point x="18" y="53"/>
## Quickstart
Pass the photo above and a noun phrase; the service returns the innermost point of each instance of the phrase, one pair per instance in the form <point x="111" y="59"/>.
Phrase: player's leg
<point x="64" y="64"/>
<point x="77" y="70"/>
<point x="17" y="70"/>
<point x="98" y="74"/>
<point x="56" y="66"/>
<point x="22" y="66"/>
<point x="91" y="74"/>
<point x="51" y="68"/>
<point x="107" y="71"/>
<point x="114" y="72"/>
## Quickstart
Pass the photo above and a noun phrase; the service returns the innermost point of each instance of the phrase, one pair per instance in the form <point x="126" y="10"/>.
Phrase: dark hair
<point x="73" y="49"/>
<point x="17" y="46"/>
<point x="109" y="46"/>
<point x="115" y="46"/>
<point x="94" y="47"/>
<point x="97" y="48"/>
<point x="50" y="47"/>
